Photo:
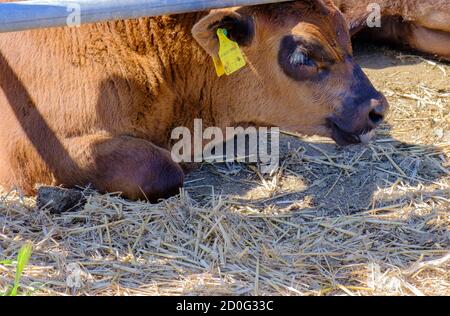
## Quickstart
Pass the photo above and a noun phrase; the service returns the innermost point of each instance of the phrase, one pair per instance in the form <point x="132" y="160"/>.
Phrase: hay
<point x="358" y="221"/>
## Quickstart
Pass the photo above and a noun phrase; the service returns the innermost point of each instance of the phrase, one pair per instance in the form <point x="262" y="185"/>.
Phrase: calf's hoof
<point x="58" y="200"/>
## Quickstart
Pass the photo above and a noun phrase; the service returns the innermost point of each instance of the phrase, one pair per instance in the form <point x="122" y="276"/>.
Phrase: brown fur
<point x="97" y="104"/>
<point x="421" y="25"/>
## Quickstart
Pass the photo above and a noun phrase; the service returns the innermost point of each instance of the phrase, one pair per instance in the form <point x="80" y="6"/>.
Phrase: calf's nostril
<point x="378" y="109"/>
<point x="376" y="117"/>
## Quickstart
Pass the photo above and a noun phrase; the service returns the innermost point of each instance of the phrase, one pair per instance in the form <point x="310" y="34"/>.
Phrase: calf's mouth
<point x="343" y="137"/>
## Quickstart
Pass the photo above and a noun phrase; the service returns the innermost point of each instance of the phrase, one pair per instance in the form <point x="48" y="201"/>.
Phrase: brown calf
<point x="418" y="24"/>
<point x="97" y="104"/>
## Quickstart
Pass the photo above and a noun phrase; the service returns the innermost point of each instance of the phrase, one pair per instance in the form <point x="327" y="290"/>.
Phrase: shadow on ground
<point x="324" y="177"/>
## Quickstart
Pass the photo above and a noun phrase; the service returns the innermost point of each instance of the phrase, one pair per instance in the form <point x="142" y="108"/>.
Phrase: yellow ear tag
<point x="230" y="55"/>
<point x="218" y="65"/>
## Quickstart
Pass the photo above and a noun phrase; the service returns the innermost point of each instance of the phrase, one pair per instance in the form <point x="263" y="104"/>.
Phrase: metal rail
<point x="33" y="14"/>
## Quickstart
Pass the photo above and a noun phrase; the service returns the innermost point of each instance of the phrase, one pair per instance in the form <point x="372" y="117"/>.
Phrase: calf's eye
<point x="295" y="61"/>
<point x="300" y="58"/>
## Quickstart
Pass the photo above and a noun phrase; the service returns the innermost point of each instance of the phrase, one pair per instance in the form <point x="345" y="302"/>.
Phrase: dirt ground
<point x="364" y="220"/>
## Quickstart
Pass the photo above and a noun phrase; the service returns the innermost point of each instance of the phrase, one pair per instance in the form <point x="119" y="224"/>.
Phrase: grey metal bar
<point x="33" y="14"/>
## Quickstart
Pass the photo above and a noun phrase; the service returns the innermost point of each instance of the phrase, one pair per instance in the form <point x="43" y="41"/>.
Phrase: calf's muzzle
<point x="363" y="110"/>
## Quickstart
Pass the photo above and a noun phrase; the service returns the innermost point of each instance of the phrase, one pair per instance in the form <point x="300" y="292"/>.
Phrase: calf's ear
<point x="240" y="28"/>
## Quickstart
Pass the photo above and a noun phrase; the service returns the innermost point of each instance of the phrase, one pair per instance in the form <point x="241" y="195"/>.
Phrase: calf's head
<point x="300" y="76"/>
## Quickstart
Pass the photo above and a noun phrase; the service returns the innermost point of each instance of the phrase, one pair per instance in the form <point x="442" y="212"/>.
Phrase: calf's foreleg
<point x="134" y="167"/>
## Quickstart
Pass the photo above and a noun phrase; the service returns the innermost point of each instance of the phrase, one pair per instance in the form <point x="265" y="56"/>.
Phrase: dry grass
<point x="358" y="221"/>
